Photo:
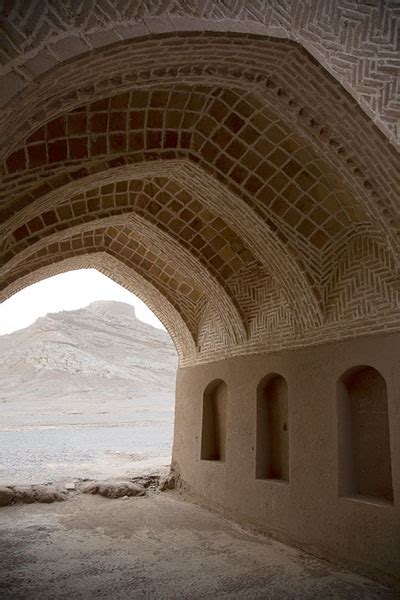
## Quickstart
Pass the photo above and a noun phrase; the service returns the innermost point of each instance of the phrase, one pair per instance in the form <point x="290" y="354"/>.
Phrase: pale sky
<point x="67" y="291"/>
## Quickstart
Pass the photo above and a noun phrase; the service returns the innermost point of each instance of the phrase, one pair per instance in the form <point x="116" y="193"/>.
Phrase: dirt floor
<point x="157" y="547"/>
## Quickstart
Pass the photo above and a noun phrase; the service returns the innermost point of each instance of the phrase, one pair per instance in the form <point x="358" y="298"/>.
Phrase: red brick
<point x="117" y="121"/>
<point x="77" y="123"/>
<point x="78" y="148"/>
<point x="37" y="136"/>
<point x="171" y="139"/>
<point x="118" y="142"/>
<point x="17" y="161"/>
<point x="102" y="104"/>
<point x="98" y="122"/>
<point x="136" y="119"/>
<point x="120" y="101"/>
<point x="37" y="155"/>
<point x="234" y="122"/>
<point x="21" y="233"/>
<point x="56" y="129"/>
<point x="98" y="145"/>
<point x="35" y="224"/>
<point x="49" y="217"/>
<point x="186" y="139"/>
<point x="58" y="151"/>
<point x="153" y="139"/>
<point x="136" y="141"/>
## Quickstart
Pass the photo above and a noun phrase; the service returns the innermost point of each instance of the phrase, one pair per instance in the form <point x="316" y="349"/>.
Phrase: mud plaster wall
<point x="307" y="510"/>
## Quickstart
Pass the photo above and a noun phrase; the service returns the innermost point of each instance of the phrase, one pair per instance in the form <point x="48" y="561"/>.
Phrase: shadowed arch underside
<point x="229" y="190"/>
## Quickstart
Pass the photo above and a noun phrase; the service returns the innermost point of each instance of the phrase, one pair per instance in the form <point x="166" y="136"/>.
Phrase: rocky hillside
<point x="101" y="352"/>
<point x="85" y="393"/>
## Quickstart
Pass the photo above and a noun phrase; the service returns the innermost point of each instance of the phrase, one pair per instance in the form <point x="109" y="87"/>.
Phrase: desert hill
<point x="85" y="393"/>
<point x="100" y="351"/>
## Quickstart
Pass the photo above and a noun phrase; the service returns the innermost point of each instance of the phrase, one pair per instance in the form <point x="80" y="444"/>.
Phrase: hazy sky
<point x="66" y="291"/>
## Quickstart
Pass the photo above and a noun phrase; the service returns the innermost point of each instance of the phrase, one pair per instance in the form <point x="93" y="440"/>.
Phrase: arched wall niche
<point x="272" y="429"/>
<point x="364" y="449"/>
<point x="214" y="421"/>
<point x="309" y="507"/>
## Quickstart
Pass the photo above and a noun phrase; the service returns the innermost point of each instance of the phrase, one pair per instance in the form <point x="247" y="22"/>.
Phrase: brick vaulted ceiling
<point x="227" y="179"/>
<point x="356" y="41"/>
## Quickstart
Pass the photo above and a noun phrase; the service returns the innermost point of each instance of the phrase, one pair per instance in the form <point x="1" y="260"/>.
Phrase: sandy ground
<point x="123" y="441"/>
<point x="159" y="547"/>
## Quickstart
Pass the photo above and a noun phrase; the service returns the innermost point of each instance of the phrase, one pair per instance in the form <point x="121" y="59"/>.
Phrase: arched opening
<point x="213" y="433"/>
<point x="272" y="445"/>
<point x="87" y="382"/>
<point x="237" y="182"/>
<point x="363" y="435"/>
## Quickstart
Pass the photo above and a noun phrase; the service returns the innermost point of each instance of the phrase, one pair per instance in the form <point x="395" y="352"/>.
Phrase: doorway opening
<point x="87" y="382"/>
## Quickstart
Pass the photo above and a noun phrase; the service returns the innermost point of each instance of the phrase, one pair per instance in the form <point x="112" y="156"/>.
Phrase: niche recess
<point x="272" y="443"/>
<point x="363" y="435"/>
<point x="213" y="435"/>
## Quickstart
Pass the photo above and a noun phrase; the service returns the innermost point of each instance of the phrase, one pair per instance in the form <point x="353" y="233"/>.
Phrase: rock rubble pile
<point x="47" y="493"/>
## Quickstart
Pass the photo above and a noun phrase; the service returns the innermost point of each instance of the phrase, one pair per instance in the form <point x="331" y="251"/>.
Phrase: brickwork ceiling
<point x="227" y="179"/>
<point x="357" y="41"/>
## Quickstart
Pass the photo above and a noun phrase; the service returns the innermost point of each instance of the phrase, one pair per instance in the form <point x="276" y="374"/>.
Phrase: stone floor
<point x="155" y="548"/>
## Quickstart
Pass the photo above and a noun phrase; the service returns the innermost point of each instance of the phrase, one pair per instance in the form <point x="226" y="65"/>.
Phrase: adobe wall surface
<point x="307" y="510"/>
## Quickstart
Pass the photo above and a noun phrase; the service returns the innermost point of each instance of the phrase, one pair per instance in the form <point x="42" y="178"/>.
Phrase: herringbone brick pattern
<point x="356" y="41"/>
<point x="365" y="282"/>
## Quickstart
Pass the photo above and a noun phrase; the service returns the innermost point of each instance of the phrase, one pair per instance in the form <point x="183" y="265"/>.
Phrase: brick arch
<point x="358" y="61"/>
<point x="93" y="242"/>
<point x="315" y="109"/>
<point x="128" y="278"/>
<point x="238" y="263"/>
<point x="224" y="130"/>
<point x="160" y="201"/>
<point x="159" y="255"/>
<point x="242" y="139"/>
<point x="280" y="73"/>
<point x="255" y="233"/>
<point x="271" y="177"/>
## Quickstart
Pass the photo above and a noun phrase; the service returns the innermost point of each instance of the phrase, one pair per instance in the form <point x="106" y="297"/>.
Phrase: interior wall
<point x="213" y="431"/>
<point x="364" y="435"/>
<point x="272" y="443"/>
<point x="310" y="509"/>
